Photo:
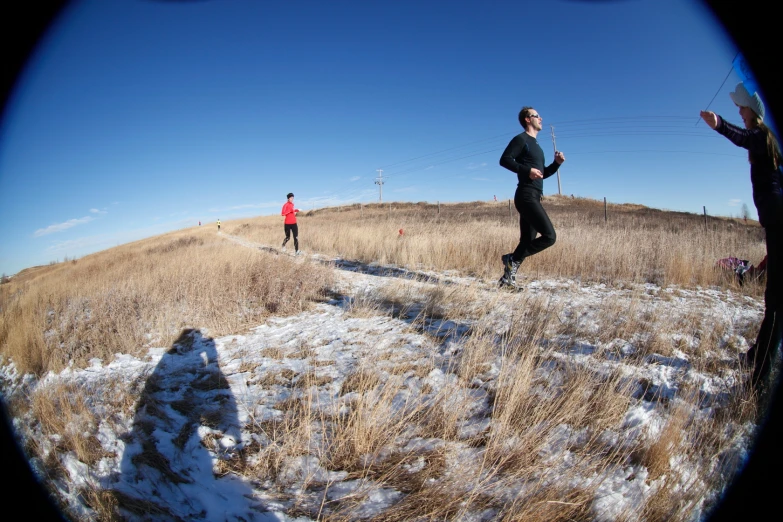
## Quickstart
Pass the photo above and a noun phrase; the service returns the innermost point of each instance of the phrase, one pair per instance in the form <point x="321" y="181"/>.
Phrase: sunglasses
<point x="534" y="116"/>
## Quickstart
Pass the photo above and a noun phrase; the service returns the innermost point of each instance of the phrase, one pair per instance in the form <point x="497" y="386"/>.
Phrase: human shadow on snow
<point x="388" y="271"/>
<point x="370" y="269"/>
<point x="186" y="417"/>
<point x="414" y="314"/>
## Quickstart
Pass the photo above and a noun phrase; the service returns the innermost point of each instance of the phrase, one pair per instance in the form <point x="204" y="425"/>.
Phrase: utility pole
<point x="379" y="182"/>
<point x="554" y="146"/>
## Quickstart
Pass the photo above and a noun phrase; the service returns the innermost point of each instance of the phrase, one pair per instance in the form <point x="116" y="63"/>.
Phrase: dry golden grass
<point x="63" y="411"/>
<point x="364" y="304"/>
<point x="355" y="434"/>
<point x="443" y="415"/>
<point x="529" y="411"/>
<point x="361" y="380"/>
<point x="105" y="502"/>
<point x="373" y="422"/>
<point x="120" y="300"/>
<point x="556" y="504"/>
<point x="431" y="502"/>
<point x="634" y="244"/>
<point x="511" y="376"/>
<point x="477" y="353"/>
<point x="657" y="456"/>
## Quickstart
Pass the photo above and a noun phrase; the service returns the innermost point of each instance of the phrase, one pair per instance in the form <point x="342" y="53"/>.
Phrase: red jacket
<point x="290" y="213"/>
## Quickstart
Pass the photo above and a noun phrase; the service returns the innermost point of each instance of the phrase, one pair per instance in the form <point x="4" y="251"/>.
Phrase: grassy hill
<point x="381" y="373"/>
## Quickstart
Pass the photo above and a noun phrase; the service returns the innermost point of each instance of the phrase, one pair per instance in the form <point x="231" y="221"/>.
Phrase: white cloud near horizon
<point x="88" y="244"/>
<point x="245" y="206"/>
<point x="411" y="188"/>
<point x="735" y="202"/>
<point x="333" y="200"/>
<point x="330" y="200"/>
<point x="59" y="227"/>
<point x="97" y="211"/>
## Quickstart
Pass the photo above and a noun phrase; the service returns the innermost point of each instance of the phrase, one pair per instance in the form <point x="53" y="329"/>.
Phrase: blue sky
<point x="136" y="117"/>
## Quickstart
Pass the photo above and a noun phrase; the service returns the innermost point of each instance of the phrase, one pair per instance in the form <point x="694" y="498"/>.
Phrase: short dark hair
<point x="290" y="195"/>
<point x="524" y="113"/>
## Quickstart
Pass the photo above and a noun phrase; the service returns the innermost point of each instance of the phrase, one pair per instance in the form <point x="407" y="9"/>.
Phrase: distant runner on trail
<point x="524" y="157"/>
<point x="766" y="179"/>
<point x="218" y="225"/>
<point x="290" y="221"/>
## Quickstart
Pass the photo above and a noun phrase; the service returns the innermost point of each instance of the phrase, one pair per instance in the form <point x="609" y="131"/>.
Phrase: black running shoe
<point x="510" y="268"/>
<point x="506" y="284"/>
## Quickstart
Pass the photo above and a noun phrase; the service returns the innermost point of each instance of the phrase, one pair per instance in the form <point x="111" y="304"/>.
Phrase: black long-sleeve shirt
<point x="764" y="177"/>
<point x="522" y="154"/>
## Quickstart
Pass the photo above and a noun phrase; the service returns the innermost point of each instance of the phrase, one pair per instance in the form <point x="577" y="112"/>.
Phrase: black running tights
<point x="532" y="220"/>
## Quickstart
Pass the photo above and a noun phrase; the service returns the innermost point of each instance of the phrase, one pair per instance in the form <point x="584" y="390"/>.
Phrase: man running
<point x="525" y="158"/>
<point x="289" y="224"/>
<point x="218" y="223"/>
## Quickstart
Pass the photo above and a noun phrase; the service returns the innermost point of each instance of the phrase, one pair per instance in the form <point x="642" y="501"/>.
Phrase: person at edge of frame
<point x="765" y="177"/>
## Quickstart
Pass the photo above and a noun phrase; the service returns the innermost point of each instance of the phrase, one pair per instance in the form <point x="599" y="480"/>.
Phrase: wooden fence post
<point x="705" y="218"/>
<point x="605" y="217"/>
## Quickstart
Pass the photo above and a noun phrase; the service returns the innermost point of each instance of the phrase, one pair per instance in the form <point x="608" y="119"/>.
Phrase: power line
<point x="658" y="151"/>
<point x="441" y="176"/>
<point x="584" y="133"/>
<point x="642" y="133"/>
<point x="630" y="120"/>
<point x="445" y="150"/>
<point x="663" y="151"/>
<point x="652" y="125"/>
<point x="359" y="194"/>
<point x="685" y="124"/>
<point x="721" y="86"/>
<point x="417" y="168"/>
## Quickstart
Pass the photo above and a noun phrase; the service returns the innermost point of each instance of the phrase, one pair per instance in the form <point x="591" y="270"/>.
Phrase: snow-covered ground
<point x="205" y="397"/>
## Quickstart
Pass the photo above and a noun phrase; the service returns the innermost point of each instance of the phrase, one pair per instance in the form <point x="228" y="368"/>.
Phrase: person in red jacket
<point x="290" y="221"/>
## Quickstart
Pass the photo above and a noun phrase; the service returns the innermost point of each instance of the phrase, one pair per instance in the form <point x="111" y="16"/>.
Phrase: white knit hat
<point x="743" y="98"/>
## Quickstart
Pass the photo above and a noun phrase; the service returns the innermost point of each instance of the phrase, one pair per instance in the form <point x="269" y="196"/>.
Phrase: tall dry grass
<point x="634" y="244"/>
<point x="123" y="299"/>
<point x="554" y="437"/>
<point x="515" y="428"/>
